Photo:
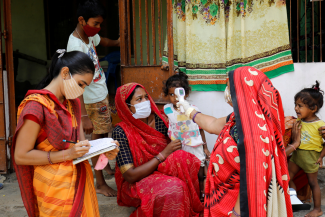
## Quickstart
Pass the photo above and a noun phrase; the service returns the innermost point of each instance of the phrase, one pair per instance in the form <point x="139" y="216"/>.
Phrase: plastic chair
<point x="113" y="60"/>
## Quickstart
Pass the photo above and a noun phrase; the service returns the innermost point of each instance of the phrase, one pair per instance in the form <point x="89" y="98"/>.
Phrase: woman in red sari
<point x="153" y="174"/>
<point x="247" y="174"/>
<point x="50" y="184"/>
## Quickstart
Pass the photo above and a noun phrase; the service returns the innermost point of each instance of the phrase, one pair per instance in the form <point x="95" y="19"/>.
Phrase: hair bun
<point x="182" y="74"/>
<point x="316" y="86"/>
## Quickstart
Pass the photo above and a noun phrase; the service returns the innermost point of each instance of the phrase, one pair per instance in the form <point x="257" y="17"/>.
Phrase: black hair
<point x="77" y="62"/>
<point x="312" y="97"/>
<point x="128" y="100"/>
<point x="90" y="9"/>
<point x="177" y="80"/>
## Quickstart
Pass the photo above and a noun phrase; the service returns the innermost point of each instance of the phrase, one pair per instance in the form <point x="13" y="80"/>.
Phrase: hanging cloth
<point x="213" y="37"/>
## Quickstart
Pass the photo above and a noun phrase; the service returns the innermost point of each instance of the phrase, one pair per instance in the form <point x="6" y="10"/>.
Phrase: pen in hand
<point x="69" y="141"/>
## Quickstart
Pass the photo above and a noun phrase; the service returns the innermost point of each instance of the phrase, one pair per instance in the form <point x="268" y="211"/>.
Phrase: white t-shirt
<point x="97" y="90"/>
<point x="182" y="128"/>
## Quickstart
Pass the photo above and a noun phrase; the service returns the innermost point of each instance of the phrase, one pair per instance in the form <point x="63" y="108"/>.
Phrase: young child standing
<point x="308" y="156"/>
<point x="182" y="128"/>
<point x="94" y="102"/>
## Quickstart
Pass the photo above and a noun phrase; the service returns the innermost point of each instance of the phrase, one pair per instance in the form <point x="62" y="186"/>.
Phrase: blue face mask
<point x="142" y="110"/>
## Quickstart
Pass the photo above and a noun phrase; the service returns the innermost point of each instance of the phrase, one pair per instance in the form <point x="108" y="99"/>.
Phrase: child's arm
<point x="320" y="159"/>
<point x="87" y="125"/>
<point x="106" y="42"/>
<point x="205" y="146"/>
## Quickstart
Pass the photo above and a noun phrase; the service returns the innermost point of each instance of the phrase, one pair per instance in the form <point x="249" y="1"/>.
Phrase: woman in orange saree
<point x="49" y="182"/>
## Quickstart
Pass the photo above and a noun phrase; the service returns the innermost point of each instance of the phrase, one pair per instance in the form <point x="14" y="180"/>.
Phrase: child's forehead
<point x="171" y="89"/>
<point x="175" y="85"/>
<point x="300" y="101"/>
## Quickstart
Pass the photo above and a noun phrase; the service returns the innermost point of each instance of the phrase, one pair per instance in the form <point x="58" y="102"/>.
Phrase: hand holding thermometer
<point x="180" y="93"/>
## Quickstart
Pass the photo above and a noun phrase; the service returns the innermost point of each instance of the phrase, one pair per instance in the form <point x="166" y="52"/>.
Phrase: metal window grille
<point x="307" y="30"/>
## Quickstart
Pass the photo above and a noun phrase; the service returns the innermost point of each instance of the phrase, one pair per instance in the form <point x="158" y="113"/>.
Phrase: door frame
<point x="136" y="73"/>
<point x="6" y="135"/>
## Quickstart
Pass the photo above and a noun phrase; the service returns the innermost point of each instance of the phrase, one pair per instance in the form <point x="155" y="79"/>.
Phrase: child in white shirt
<point x="182" y="128"/>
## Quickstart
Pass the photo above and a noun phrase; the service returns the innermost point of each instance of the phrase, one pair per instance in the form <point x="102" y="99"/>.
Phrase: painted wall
<point x="305" y="74"/>
<point x="28" y="30"/>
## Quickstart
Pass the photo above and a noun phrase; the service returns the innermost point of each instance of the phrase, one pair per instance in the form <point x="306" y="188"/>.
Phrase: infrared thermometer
<point x="180" y="93"/>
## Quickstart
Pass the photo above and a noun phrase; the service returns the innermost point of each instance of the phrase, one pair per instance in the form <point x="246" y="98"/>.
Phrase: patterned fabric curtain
<point x="213" y="37"/>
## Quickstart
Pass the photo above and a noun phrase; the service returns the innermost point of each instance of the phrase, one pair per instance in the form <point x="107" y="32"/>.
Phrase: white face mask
<point x="227" y="95"/>
<point x="142" y="110"/>
<point x="72" y="89"/>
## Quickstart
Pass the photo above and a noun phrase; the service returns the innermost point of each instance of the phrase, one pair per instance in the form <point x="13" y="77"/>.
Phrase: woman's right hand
<point x="187" y="107"/>
<point x="171" y="147"/>
<point x="296" y="134"/>
<point x="79" y="149"/>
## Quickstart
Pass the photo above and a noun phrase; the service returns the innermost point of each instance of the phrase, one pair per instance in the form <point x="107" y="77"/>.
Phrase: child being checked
<point x="182" y="128"/>
<point x="308" y="156"/>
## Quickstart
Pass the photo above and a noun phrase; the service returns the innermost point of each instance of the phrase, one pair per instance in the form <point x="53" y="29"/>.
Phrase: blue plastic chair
<point x="113" y="60"/>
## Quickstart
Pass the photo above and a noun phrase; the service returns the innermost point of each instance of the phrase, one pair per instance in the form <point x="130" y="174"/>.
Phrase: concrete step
<point x="11" y="204"/>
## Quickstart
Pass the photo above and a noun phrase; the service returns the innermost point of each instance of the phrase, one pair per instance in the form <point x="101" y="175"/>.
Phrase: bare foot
<point x="109" y="170"/>
<point x="314" y="213"/>
<point x="106" y="190"/>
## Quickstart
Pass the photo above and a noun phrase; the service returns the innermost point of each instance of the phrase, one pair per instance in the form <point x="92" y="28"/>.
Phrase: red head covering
<point x="182" y="167"/>
<point x="146" y="142"/>
<point x="260" y="174"/>
<point x="260" y="124"/>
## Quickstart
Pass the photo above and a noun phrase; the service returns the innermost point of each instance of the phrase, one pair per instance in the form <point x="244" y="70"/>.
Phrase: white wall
<point x="305" y="75"/>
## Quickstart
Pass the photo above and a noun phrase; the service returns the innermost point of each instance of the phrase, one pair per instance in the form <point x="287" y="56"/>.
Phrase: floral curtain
<point x="213" y="37"/>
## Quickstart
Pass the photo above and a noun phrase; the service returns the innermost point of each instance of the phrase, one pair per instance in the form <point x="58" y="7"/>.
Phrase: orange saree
<point x="60" y="189"/>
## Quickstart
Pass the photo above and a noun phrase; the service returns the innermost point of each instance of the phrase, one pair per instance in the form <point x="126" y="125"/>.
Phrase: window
<point x="307" y="30"/>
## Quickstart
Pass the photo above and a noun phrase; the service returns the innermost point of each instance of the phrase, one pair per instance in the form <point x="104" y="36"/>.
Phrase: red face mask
<point x="90" y="31"/>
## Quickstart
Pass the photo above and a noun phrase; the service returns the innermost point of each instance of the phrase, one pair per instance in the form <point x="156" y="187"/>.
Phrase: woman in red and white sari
<point x="248" y="173"/>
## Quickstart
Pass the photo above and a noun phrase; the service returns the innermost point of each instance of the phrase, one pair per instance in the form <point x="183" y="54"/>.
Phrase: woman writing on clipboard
<point x="50" y="184"/>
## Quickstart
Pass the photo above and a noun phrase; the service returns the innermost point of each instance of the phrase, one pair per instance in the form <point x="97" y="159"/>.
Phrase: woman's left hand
<point x="111" y="155"/>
